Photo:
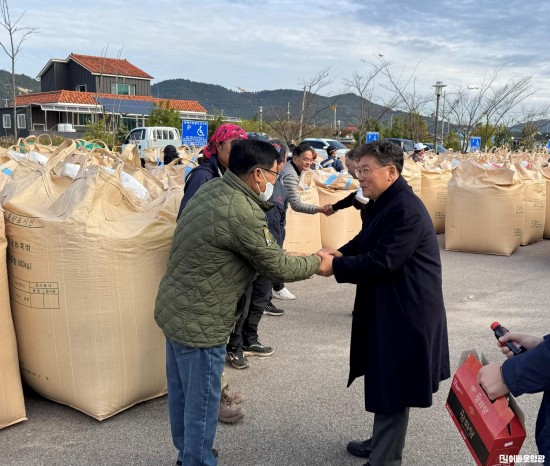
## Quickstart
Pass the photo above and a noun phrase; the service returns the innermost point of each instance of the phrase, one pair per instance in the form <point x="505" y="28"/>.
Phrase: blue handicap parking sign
<point x="194" y="132"/>
<point x="373" y="136"/>
<point x="475" y="143"/>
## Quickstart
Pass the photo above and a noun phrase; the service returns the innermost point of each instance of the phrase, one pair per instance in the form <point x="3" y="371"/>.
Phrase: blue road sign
<point x="194" y="132"/>
<point x="373" y="136"/>
<point x="548" y="145"/>
<point x="475" y="143"/>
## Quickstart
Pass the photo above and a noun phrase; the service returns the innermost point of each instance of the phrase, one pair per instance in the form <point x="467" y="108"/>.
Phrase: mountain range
<point x="273" y="104"/>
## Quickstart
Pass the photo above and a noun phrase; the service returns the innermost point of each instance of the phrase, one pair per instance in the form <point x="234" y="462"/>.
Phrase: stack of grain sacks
<point x="12" y="406"/>
<point x="89" y="238"/>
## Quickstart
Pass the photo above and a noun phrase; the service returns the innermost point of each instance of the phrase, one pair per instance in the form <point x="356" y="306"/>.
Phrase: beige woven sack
<point x="485" y="210"/>
<point x="12" y="405"/>
<point x="545" y="172"/>
<point x="535" y="203"/>
<point x="412" y="174"/>
<point x="83" y="285"/>
<point x="303" y="231"/>
<point x="433" y="193"/>
<point x="339" y="228"/>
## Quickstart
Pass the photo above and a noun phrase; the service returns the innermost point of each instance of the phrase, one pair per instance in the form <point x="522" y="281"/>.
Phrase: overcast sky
<point x="276" y="44"/>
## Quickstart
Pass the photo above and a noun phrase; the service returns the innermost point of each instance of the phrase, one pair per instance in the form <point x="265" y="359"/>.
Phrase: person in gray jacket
<point x="302" y="158"/>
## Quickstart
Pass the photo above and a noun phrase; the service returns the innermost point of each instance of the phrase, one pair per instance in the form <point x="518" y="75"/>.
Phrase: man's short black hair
<point x="247" y="154"/>
<point x="386" y="152"/>
<point x="301" y="148"/>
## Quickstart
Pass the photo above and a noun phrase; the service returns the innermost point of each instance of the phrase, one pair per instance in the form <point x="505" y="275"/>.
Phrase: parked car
<point x="320" y="145"/>
<point x="152" y="136"/>
<point x="258" y="136"/>
<point x="440" y="148"/>
<point x="406" y="144"/>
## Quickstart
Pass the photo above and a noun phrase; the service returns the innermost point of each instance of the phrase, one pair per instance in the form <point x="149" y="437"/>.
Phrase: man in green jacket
<point x="219" y="244"/>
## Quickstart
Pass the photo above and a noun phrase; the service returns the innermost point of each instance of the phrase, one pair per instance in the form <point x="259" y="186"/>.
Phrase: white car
<point x="320" y="146"/>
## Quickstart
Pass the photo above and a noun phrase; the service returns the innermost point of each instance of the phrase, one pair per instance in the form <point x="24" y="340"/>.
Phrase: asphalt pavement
<point x="298" y="409"/>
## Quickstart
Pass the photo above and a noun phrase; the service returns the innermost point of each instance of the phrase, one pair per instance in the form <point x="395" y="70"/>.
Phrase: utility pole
<point x="438" y="90"/>
<point x="302" y="115"/>
<point x="288" y="112"/>
<point x="333" y="107"/>
<point x="443" y="121"/>
<point x="261" y="114"/>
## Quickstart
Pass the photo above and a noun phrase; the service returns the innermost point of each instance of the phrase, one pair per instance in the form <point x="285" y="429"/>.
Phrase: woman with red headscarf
<point x="216" y="153"/>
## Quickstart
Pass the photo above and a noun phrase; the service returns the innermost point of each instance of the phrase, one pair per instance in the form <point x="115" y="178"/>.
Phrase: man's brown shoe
<point x="232" y="397"/>
<point x="230" y="413"/>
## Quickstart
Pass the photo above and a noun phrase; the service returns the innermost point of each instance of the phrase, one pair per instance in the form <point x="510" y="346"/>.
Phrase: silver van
<point x="152" y="136"/>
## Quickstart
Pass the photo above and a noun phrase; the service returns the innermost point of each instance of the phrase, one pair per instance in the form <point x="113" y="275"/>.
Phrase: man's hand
<point x="490" y="378"/>
<point x="326" y="209"/>
<point x="525" y="340"/>
<point x="325" y="269"/>
<point x="332" y="252"/>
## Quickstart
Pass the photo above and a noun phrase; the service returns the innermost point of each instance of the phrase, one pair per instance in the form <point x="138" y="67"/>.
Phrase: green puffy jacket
<point x="221" y="241"/>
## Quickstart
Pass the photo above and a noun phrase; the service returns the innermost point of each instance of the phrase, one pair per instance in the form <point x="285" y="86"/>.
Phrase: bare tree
<point x="312" y="109"/>
<point x="364" y="86"/>
<point x="17" y="35"/>
<point x="487" y="103"/>
<point x="406" y="97"/>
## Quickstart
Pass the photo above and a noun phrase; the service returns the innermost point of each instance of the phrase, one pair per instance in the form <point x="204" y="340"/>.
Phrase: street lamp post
<point x="339" y="122"/>
<point x="333" y="107"/>
<point x="438" y="90"/>
<point x="443" y="121"/>
<point x="261" y="114"/>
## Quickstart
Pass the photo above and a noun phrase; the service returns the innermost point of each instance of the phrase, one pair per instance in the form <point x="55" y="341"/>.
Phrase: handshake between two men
<point x="327" y="255"/>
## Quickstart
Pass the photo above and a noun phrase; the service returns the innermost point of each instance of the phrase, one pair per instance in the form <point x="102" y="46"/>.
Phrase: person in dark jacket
<point x="527" y="372"/>
<point x="332" y="161"/>
<point x="216" y="160"/>
<point x="170" y="154"/>
<point x="261" y="287"/>
<point x="355" y="199"/>
<point x="399" y="337"/>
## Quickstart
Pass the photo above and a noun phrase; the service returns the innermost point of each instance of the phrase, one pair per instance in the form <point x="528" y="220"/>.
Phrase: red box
<point x="492" y="430"/>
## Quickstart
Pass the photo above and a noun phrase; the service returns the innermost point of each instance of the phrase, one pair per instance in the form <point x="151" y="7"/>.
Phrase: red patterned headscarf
<point x="223" y="133"/>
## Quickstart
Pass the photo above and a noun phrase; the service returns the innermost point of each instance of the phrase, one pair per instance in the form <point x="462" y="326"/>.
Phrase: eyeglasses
<point x="367" y="171"/>
<point x="308" y="160"/>
<point x="271" y="171"/>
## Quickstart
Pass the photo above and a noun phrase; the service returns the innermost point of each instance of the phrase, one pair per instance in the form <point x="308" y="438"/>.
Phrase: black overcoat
<point x="399" y="330"/>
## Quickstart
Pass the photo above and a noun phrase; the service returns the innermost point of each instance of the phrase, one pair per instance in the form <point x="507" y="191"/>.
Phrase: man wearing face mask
<point x="277" y="197"/>
<point x="219" y="245"/>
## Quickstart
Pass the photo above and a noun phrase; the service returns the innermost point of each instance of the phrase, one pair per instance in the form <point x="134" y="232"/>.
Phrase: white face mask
<point x="359" y="196"/>
<point x="266" y="195"/>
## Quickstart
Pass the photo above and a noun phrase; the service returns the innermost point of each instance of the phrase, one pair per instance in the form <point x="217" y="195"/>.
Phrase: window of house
<point x="84" y="119"/>
<point x="123" y="89"/>
<point x="6" y="119"/>
<point x="22" y="121"/>
<point x="80" y="87"/>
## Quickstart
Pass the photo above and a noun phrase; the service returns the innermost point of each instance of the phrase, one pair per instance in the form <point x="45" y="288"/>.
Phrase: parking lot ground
<point x="298" y="409"/>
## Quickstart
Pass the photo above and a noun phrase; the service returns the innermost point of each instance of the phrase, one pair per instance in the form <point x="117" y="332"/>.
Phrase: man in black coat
<point x="399" y="330"/>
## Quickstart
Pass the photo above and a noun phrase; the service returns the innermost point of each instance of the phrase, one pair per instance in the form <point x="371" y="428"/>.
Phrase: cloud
<point x="274" y="44"/>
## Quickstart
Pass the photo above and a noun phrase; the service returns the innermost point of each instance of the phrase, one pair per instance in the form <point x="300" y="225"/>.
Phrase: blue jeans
<point x="194" y="393"/>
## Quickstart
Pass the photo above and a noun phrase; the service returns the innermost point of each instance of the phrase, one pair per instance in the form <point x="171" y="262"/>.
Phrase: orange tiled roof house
<point x="83" y="88"/>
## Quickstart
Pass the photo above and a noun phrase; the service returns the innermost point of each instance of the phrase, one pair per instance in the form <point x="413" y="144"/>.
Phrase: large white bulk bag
<point x="12" y="405"/>
<point x="83" y="283"/>
<point x="303" y="231"/>
<point x="485" y="210"/>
